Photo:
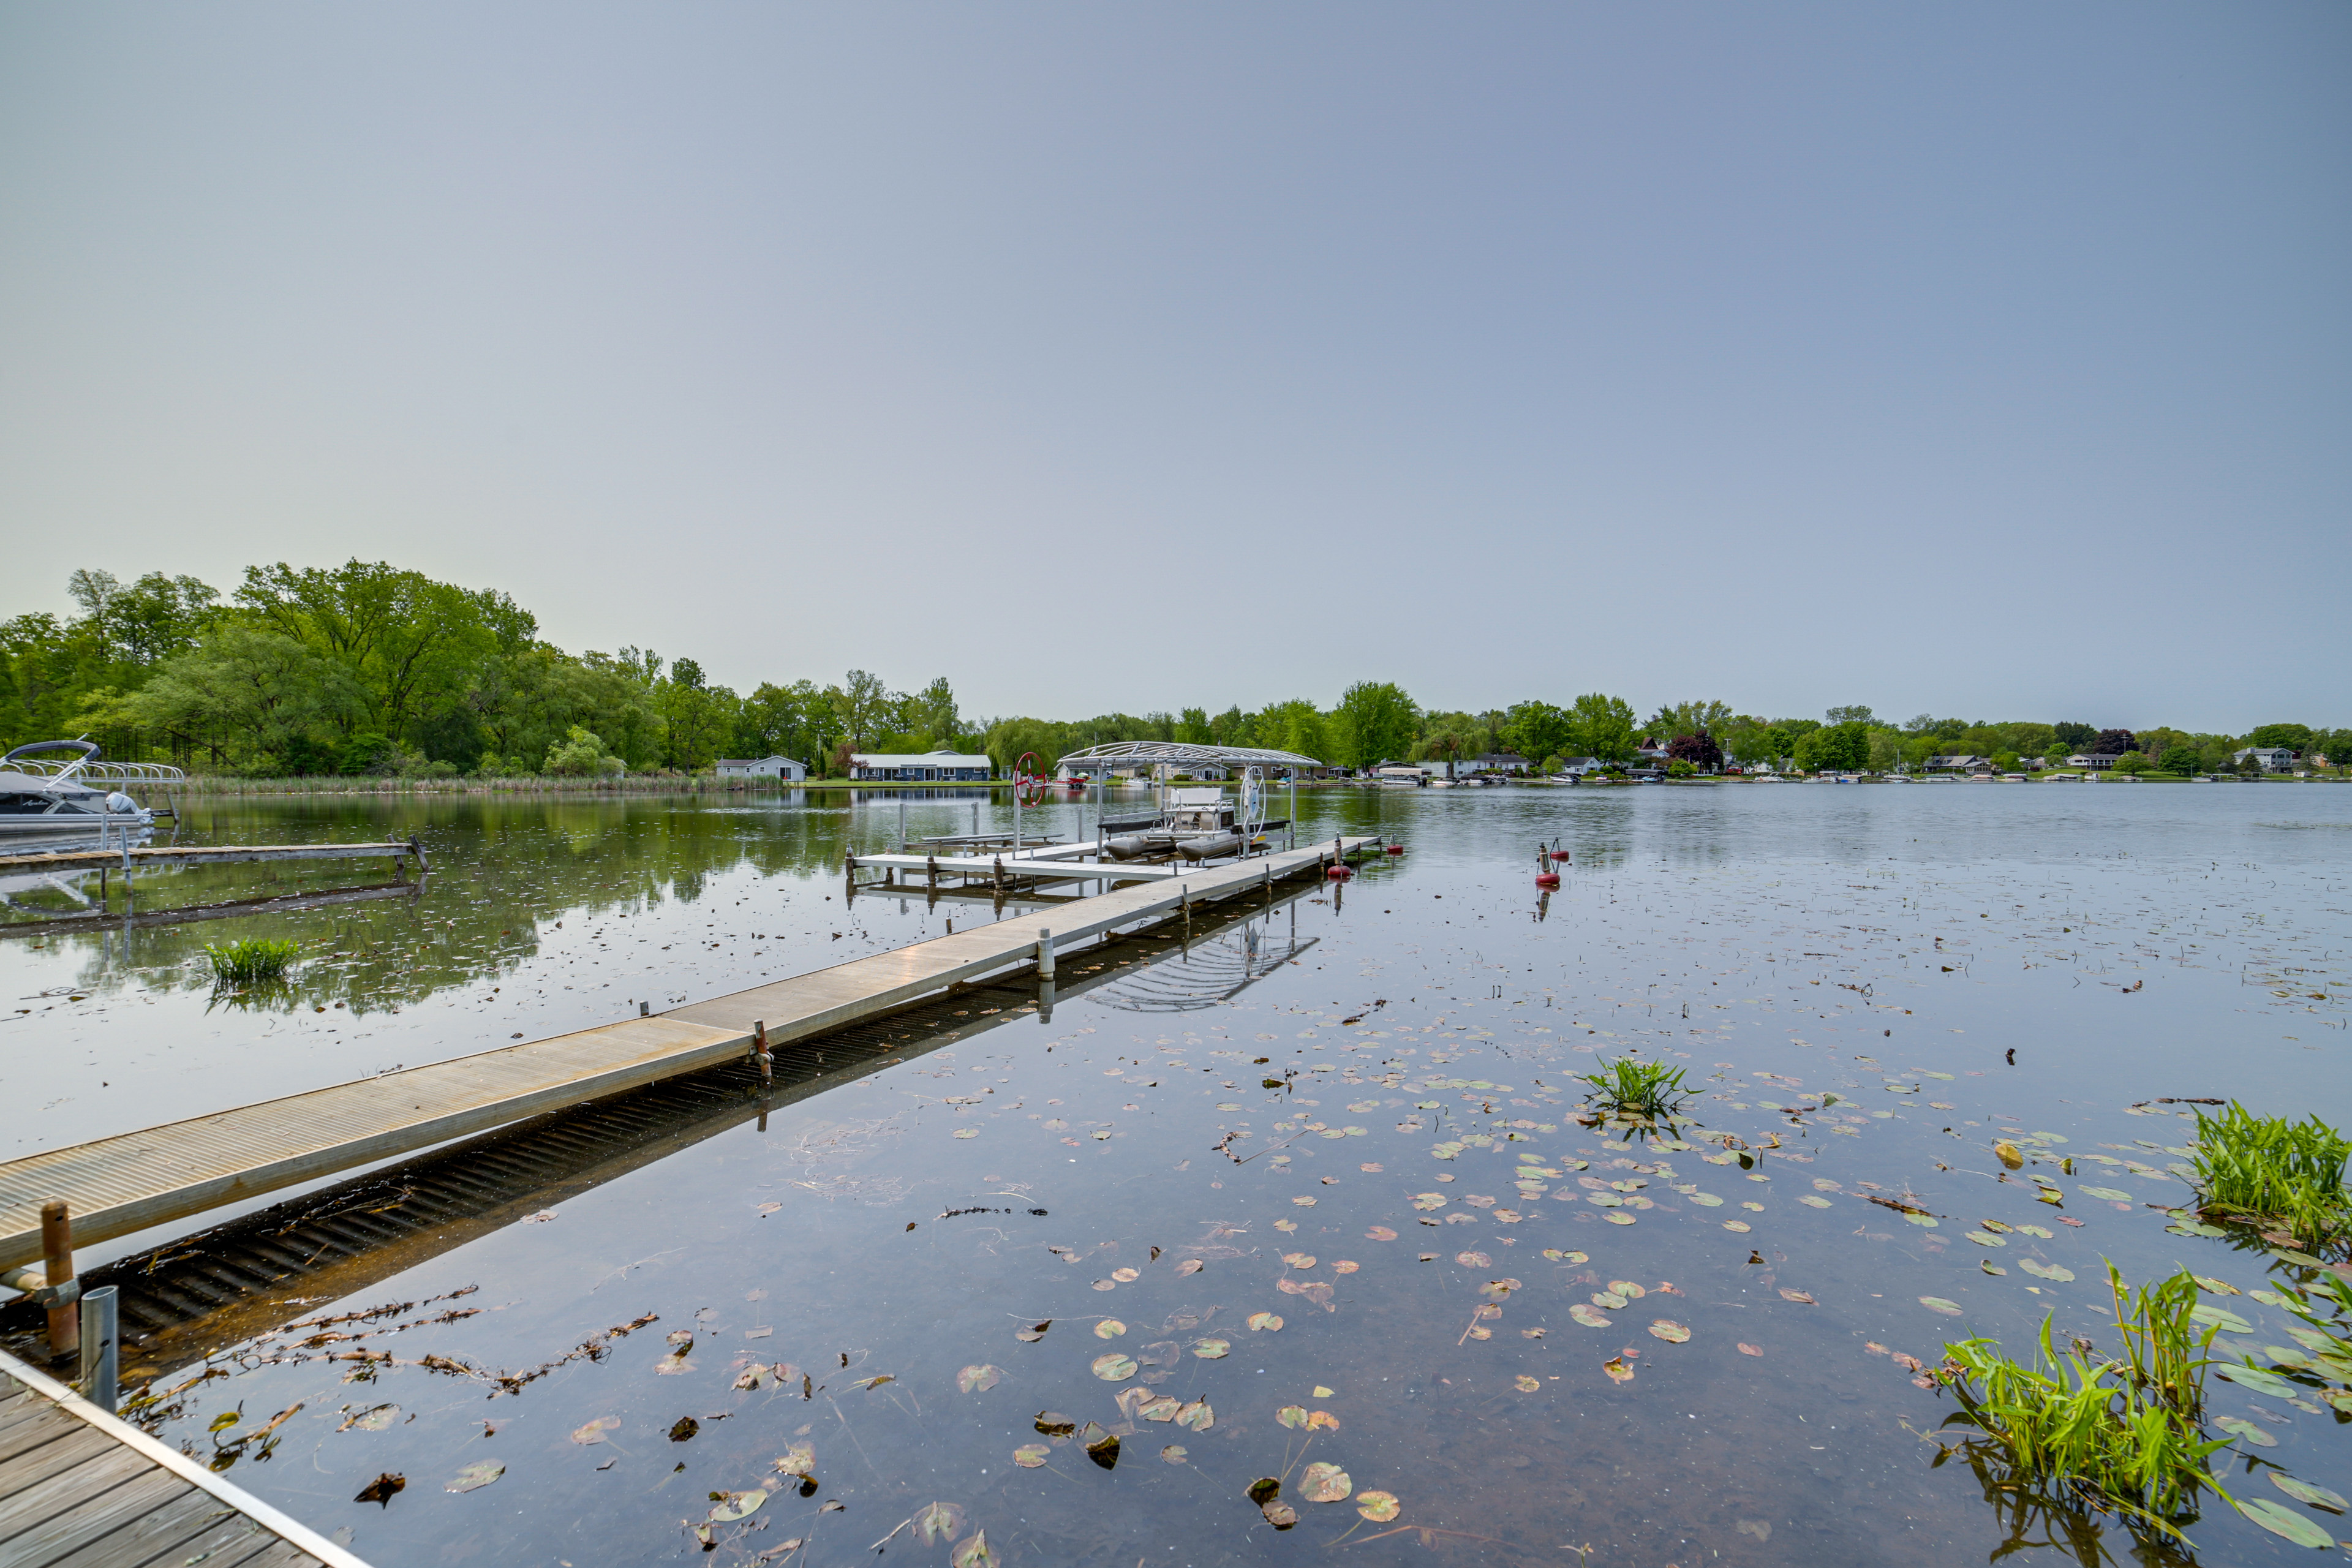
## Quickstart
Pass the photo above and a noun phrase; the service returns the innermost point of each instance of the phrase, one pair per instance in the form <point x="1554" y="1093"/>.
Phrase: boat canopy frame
<point x="1180" y="754"/>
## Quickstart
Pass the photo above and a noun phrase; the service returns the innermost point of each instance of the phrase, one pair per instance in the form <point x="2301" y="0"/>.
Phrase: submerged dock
<point x="122" y="858"/>
<point x="115" y="1186"/>
<point x="80" y="1489"/>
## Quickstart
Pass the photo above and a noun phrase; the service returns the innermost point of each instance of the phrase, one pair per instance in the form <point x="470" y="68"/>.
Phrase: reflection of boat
<point x="76" y="799"/>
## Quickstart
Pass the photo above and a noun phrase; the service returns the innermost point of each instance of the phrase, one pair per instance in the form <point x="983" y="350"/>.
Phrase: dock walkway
<point x="117" y="1185"/>
<point x="80" y="1489"/>
<point x="131" y="859"/>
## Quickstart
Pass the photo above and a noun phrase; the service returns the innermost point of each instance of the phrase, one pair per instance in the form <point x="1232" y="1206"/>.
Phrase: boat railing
<point x="81" y="772"/>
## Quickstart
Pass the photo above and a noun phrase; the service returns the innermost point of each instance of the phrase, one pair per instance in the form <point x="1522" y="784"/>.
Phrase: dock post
<point x="902" y="825"/>
<point x="101" y="1372"/>
<point x="931" y="870"/>
<point x="57" y="1262"/>
<point x="1045" y="954"/>
<point x="645" y="1009"/>
<point x="760" y="1049"/>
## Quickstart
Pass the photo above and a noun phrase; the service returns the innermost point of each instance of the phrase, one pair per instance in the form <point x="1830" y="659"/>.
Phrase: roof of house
<point x="749" y="761"/>
<point x="919" y="760"/>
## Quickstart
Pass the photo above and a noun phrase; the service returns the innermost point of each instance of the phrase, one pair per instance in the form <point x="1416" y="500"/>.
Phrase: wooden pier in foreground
<point x="125" y="1184"/>
<point x="80" y="1489"/>
<point x="131" y="859"/>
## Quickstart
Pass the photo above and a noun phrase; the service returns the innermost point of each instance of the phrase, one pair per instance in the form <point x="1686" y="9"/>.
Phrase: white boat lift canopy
<point x="1180" y="754"/>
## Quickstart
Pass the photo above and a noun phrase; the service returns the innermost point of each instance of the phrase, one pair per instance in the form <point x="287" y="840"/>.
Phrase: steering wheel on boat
<point x="1249" y="811"/>
<point x="1030" y="786"/>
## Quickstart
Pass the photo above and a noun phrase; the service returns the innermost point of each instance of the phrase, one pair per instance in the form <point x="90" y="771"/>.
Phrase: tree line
<point x="370" y="669"/>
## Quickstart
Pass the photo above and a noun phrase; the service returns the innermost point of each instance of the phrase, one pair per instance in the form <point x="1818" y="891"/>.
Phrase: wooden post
<point x="57" y="1260"/>
<point x="760" y="1049"/>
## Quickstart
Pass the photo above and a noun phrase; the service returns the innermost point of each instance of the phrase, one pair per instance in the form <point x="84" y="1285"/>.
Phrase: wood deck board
<point x="106" y="1495"/>
<point x="128" y="1183"/>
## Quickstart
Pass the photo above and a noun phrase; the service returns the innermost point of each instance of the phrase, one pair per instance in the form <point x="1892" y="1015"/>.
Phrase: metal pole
<point x="1293" y="835"/>
<point x="101" y="1372"/>
<point x="902" y="825"/>
<point x="1045" y="954"/>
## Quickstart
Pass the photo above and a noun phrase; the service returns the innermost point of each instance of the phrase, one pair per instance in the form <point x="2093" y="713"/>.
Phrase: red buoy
<point x="1396" y="848"/>
<point x="1341" y="873"/>
<point x="1560" y="855"/>
<point x="1546" y="880"/>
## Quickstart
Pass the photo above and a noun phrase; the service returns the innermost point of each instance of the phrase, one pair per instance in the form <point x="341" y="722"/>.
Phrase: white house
<point x="2090" y="762"/>
<point x="1958" y="763"/>
<point x="761" y="768"/>
<point x="2270" y="759"/>
<point x="1577" y="767"/>
<point x="925" y="767"/>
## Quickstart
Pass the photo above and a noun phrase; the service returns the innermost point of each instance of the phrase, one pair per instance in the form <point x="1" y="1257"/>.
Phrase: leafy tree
<point x="1602" y="726"/>
<point x="928" y="718"/>
<point x="1680" y="767"/>
<point x="2114" y="743"/>
<point x="1374" y="721"/>
<point x="2292" y="737"/>
<point x="580" y="755"/>
<point x="1193" y="727"/>
<point x="1835" y="747"/>
<point x="1699" y="718"/>
<point x="861" y="703"/>
<point x="2130" y="761"/>
<point x="254" y="690"/>
<point x="1850" y="715"/>
<point x="1697" y="750"/>
<point x="1297" y="725"/>
<point x="1535" y="729"/>
<point x="2072" y="736"/>
<point x="2179" y="760"/>
<point x="1446" y="744"/>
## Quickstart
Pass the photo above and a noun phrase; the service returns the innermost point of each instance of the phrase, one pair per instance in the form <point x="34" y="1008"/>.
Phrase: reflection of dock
<point x="115" y="1186"/>
<point x="232" y="908"/>
<point x="79" y="1487"/>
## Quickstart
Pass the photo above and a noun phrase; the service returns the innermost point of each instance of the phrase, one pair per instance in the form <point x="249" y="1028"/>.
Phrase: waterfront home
<point x="1957" y="763"/>
<point x="1578" y="767"/>
<point x="783" y="768"/>
<point x="1497" y="763"/>
<point x="925" y="767"/>
<point x="2270" y="759"/>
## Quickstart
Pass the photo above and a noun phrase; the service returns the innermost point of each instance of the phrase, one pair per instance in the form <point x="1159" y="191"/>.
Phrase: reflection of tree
<point x="2032" y="1519"/>
<point x="504" y="866"/>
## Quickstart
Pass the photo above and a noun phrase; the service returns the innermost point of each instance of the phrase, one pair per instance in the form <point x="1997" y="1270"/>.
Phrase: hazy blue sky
<point x="1984" y="358"/>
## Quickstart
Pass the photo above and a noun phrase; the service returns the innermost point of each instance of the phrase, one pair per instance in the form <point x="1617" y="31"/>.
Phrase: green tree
<point x="862" y="704"/>
<point x="2294" y="737"/>
<point x="1841" y="748"/>
<point x="1443" y="745"/>
<point x="581" y="754"/>
<point x="1674" y="718"/>
<point x="1374" y="721"/>
<point x="245" y="691"/>
<point x="929" y="719"/>
<point x="1536" y="729"/>
<point x="2179" y="760"/>
<point x="1193" y="727"/>
<point x="1602" y="726"/>
<point x="1857" y="715"/>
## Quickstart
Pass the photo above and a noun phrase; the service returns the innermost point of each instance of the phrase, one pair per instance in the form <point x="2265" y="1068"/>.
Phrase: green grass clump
<point x="1637" y="1088"/>
<point x="250" y="961"/>
<point x="2118" y="1434"/>
<point x="2279" y="1174"/>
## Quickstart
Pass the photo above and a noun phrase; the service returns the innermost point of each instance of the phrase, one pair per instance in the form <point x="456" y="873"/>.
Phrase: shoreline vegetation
<point x="368" y="678"/>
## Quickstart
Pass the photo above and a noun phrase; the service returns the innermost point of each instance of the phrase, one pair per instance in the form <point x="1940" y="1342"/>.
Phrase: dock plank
<point x="33" y="1466"/>
<point x="180" y="1524"/>
<point x="124" y="1183"/>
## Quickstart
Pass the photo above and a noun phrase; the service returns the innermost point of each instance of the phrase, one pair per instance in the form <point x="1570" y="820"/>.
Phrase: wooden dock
<point x="125" y="1184"/>
<point x="80" y="1489"/>
<point x="132" y="859"/>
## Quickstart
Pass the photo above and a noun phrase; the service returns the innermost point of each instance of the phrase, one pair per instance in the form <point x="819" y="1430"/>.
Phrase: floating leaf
<point x="1556" y="1256"/>
<point x="684" y="1429"/>
<point x="2217" y="1286"/>
<point x="1673" y="1333"/>
<point x="1103" y="1450"/>
<point x="978" y="1379"/>
<point x="1607" y="1299"/>
<point x="1265" y="1323"/>
<point x="1280" y="1515"/>
<point x="1300" y="1259"/>
<point x="2220" y="1318"/>
<point x="2111" y="1194"/>
<point x="1190" y="1266"/>
<point x="2281" y="1520"/>
<point x="1707" y="1200"/>
<point x="800" y="1459"/>
<point x="1798" y="1297"/>
<point x="1053" y="1424"/>
<point x="1211" y="1350"/>
<point x="1617" y="1370"/>
<point x="1293" y="1416"/>
<point x="1746" y="1349"/>
<point x="1175" y="1454"/>
<point x="1591" y="1317"/>
<point x="1738" y="1225"/>
<point x="975" y="1553"/>
<point x="378" y="1418"/>
<point x="875" y="1381"/>
<point x="1380" y="1233"/>
<point x="2045" y="1270"/>
<point x="1029" y="1455"/>
<point x="2007" y="1153"/>
<point x="939" y="1523"/>
<point x="1986" y="1238"/>
<point x="1528" y="1384"/>
<point x="1160" y="1407"/>
<point x="1325" y="1483"/>
<point x="1264" y="1490"/>
<point x="1628" y="1219"/>
<point x="476" y="1475"/>
<point x="1429" y="1200"/>
<point x="735" y="1506"/>
<point x="1114" y="1367"/>
<point x="1110" y="1329"/>
<point x="2255" y="1378"/>
<point x="1034" y="1332"/>
<point x="1196" y="1416"/>
<point x="1125" y="1276"/>
<point x="1378" y="1507"/>
<point x="1937" y="1304"/>
<point x="2303" y="1491"/>
<point x="380" y="1491"/>
<point x="1813" y="1202"/>
<point x="1303" y="1202"/>
<point x="1474" y="1261"/>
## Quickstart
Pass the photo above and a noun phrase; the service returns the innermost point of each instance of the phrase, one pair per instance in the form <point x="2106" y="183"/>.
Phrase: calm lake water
<point x="853" y="1286"/>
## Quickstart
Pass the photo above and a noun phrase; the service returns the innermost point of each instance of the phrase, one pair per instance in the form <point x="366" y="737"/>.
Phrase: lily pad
<point x="2255" y="1378"/>
<point x="1555" y="1255"/>
<point x="1053" y="1424"/>
<point x="2111" y="1194"/>
<point x="1938" y="1304"/>
<point x="2240" y="1428"/>
<point x="2281" y="1520"/>
<point x="1617" y="1370"/>
<point x="1030" y="1455"/>
<point x="1740" y="1225"/>
<point x="1101" y="1446"/>
<point x="594" y="1431"/>
<point x="1293" y="1416"/>
<point x="2222" y="1318"/>
<point x="1175" y="1454"/>
<point x="1115" y="1367"/>
<point x="1707" y="1200"/>
<point x="1196" y="1416"/>
<point x="2303" y="1491"/>
<point x="1673" y="1333"/>
<point x="1812" y="1202"/>
<point x="1212" y="1350"/>
<point x="735" y="1506"/>
<point x="1591" y="1317"/>
<point x="1378" y="1507"/>
<point x="1325" y="1483"/>
<point x="477" y="1476"/>
<point x="1265" y="1323"/>
<point x="1300" y="1259"/>
<point x="975" y="1553"/>
<point x="978" y="1379"/>
<point x="2046" y="1270"/>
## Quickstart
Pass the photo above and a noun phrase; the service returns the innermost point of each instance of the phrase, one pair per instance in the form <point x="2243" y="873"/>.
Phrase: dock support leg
<point x="57" y="1263"/>
<point x="101" y="1370"/>
<point x="1044" y="955"/>
<point x="760" y="1051"/>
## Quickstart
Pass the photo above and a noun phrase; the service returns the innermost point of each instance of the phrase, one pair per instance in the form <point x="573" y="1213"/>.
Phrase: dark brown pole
<point x="759" y="1044"/>
<point x="56" y="1257"/>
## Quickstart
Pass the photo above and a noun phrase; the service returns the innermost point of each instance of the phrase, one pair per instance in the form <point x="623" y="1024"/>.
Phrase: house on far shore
<point x="2089" y="761"/>
<point x="925" y="767"/>
<point x="2270" y="759"/>
<point x="761" y="768"/>
<point x="1650" y="746"/>
<point x="1497" y="763"/>
<point x="1577" y="767"/>
<point x="1957" y="764"/>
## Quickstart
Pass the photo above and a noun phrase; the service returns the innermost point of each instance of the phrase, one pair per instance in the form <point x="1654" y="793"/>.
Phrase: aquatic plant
<point x="2118" y="1435"/>
<point x="2279" y="1174"/>
<point x="251" y="960"/>
<point x="1637" y="1088"/>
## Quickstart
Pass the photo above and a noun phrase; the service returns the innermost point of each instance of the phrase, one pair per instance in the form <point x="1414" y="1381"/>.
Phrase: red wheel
<point x="1029" y="785"/>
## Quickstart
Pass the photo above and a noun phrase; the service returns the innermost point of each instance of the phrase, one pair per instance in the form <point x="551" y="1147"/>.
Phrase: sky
<point x="1986" y="360"/>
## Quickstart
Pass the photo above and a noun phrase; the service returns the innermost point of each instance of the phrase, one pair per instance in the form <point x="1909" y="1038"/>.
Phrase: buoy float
<point x="1546" y="880"/>
<point x="1560" y="854"/>
<point x="1341" y="873"/>
<point x="1396" y="848"/>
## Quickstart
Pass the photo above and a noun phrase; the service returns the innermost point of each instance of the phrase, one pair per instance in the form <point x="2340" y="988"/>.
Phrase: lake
<point x="829" y="1327"/>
